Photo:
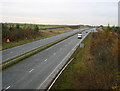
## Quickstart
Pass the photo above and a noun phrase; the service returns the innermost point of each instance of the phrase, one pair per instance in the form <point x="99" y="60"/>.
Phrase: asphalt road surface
<point x="34" y="71"/>
<point x="18" y="50"/>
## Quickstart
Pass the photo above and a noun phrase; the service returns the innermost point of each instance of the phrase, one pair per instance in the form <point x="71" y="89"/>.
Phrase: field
<point x="17" y="34"/>
<point x="40" y="26"/>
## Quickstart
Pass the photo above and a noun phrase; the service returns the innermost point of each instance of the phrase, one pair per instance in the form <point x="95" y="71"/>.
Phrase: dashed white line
<point x="31" y="70"/>
<point x="45" y="59"/>
<point x="7" y="88"/>
<point x="11" y="52"/>
<point x="53" y="71"/>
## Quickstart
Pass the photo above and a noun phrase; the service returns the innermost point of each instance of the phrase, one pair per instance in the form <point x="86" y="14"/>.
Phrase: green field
<point x="19" y="33"/>
<point x="41" y="26"/>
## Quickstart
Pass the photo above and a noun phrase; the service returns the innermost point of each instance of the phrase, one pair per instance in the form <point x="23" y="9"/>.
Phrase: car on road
<point x="80" y="36"/>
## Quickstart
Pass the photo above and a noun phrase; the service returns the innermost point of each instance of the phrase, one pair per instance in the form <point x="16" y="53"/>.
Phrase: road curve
<point x="10" y="53"/>
<point x="34" y="72"/>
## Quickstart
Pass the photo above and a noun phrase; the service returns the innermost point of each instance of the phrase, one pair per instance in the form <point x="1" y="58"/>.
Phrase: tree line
<point x="16" y="32"/>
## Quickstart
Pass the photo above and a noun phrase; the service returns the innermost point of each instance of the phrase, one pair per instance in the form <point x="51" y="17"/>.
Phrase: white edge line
<point x="57" y="67"/>
<point x="63" y="68"/>
<point x="59" y="74"/>
<point x="36" y="48"/>
<point x="53" y="71"/>
<point x="31" y="70"/>
<point x="45" y="59"/>
<point x="58" y="43"/>
<point x="47" y="48"/>
<point x="6" y="88"/>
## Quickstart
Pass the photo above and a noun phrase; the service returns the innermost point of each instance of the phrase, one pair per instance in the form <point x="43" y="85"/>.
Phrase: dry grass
<point x="74" y="75"/>
<point x="104" y="52"/>
<point x="93" y="67"/>
<point x="43" y="34"/>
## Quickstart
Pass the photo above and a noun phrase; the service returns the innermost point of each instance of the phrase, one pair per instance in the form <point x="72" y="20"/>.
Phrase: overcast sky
<point x="93" y="12"/>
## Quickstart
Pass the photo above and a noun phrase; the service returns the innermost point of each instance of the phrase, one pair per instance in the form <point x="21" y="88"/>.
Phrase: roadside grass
<point x="30" y="53"/>
<point x="13" y="44"/>
<point x="41" y="26"/>
<point x="70" y="77"/>
<point x="94" y="66"/>
<point x="52" y="26"/>
<point x="44" y="34"/>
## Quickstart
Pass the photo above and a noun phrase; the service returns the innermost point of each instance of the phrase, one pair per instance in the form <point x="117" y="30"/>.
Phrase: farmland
<point x="24" y="33"/>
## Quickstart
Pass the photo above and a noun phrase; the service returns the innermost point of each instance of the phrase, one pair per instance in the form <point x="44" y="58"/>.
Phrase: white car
<point x="80" y="36"/>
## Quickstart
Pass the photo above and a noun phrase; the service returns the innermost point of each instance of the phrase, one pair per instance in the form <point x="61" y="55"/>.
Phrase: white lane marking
<point x="45" y="59"/>
<point x="31" y="70"/>
<point x="73" y="49"/>
<point x="53" y="71"/>
<point x="56" y="44"/>
<point x="7" y="59"/>
<point x="68" y="55"/>
<point x="7" y="88"/>
<point x="59" y="74"/>
<point x="11" y="52"/>
<point x="49" y="48"/>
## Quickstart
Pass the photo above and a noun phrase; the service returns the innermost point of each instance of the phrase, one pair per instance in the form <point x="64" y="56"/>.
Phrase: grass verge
<point x="30" y="53"/>
<point x="70" y="76"/>
<point x="94" y="66"/>
<point x="43" y="34"/>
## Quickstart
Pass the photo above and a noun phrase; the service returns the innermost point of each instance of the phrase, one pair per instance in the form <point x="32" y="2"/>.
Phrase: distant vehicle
<point x="80" y="36"/>
<point x="86" y="31"/>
